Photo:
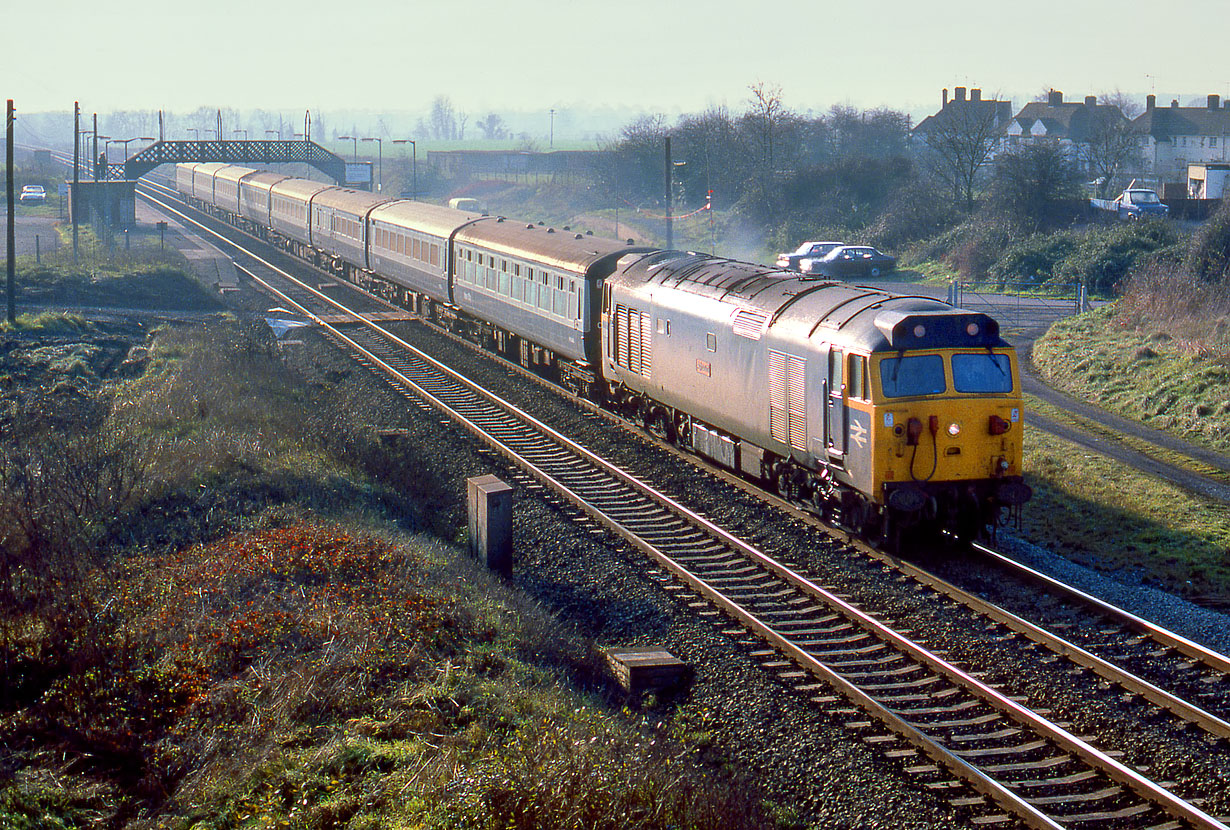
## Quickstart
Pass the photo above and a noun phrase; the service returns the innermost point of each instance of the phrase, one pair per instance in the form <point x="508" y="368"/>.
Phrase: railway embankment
<point x="227" y="601"/>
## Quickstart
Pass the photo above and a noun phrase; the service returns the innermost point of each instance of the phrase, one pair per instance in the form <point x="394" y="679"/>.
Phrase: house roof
<point x="1074" y="120"/>
<point x="1001" y="111"/>
<point x="1163" y="123"/>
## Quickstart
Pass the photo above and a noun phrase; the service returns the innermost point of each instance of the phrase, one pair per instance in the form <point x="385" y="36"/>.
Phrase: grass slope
<point x="224" y="623"/>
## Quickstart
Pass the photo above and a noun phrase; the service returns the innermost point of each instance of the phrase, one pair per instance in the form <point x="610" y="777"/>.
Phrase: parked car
<point x="849" y="261"/>
<point x="32" y="194"/>
<point x="808" y="250"/>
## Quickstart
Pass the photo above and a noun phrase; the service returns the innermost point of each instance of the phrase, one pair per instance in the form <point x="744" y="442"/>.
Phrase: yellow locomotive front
<point x="946" y="435"/>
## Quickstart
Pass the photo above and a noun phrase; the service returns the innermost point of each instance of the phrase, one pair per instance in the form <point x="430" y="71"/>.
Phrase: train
<point x="892" y="415"/>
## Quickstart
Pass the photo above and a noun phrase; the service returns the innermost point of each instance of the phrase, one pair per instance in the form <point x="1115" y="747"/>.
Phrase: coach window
<point x="858" y="376"/>
<point x="711" y="342"/>
<point x="544" y="292"/>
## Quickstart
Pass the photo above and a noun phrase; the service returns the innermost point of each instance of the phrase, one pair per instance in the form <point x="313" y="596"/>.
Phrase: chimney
<point x="944" y="103"/>
<point x="1054" y="98"/>
<point x="1214" y="101"/>
<point x="1091" y="100"/>
<point x="1150" y="101"/>
<point x="975" y="94"/>
<point x="959" y="93"/>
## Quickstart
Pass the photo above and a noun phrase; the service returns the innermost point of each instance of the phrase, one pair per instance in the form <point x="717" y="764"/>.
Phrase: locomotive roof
<point x="558" y="248"/>
<point x="855" y="315"/>
<point x="356" y="202"/>
<point x="424" y="216"/>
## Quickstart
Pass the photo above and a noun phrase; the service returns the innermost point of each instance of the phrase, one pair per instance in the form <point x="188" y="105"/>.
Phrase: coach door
<point x="835" y="412"/>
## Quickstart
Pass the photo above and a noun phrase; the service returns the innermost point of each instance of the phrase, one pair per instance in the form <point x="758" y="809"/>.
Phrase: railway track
<point x="1031" y="768"/>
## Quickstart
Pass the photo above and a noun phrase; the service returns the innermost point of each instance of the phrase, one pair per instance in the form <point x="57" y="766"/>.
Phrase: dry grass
<point x="211" y="652"/>
<point x="1102" y="514"/>
<point x="1157" y="369"/>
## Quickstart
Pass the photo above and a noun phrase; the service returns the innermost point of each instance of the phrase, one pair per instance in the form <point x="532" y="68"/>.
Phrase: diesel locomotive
<point x="887" y="412"/>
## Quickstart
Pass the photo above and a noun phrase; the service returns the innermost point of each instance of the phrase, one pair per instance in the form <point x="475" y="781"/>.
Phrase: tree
<point x="492" y="127"/>
<point x="634" y="170"/>
<point x="1112" y="147"/>
<point x="1031" y="179"/>
<point x="442" y="120"/>
<point x="959" y="141"/>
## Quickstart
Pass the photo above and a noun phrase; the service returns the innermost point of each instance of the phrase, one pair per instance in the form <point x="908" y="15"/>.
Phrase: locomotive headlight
<point x="920" y="331"/>
<point x="972" y="329"/>
<point x="954" y="429"/>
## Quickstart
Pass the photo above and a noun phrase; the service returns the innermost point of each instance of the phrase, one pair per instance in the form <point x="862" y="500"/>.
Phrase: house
<point x="972" y="116"/>
<point x="1173" y="137"/>
<point x="1072" y="124"/>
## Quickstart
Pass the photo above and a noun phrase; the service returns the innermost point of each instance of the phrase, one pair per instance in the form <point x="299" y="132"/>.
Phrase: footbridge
<point x="232" y="152"/>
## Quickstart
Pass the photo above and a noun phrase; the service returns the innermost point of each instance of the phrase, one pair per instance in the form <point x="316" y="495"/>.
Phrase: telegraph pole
<point x="76" y="170"/>
<point x="670" y="229"/>
<point x="12" y="218"/>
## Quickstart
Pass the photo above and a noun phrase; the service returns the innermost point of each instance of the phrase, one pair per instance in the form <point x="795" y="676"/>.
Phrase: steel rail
<point x="1179" y="643"/>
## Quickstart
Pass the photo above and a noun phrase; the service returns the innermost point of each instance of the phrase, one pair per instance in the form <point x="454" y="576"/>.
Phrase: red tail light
<point x="999" y="426"/>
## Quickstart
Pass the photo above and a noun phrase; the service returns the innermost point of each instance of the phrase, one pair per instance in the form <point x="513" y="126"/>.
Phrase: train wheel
<point x="660" y="425"/>
<point x="783" y="482"/>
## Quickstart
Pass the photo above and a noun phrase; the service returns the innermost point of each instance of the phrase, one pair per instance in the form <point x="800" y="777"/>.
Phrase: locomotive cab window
<point x="983" y="373"/>
<point x="909" y="376"/>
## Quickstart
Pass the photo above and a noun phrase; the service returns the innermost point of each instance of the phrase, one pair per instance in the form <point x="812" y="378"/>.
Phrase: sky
<point x="669" y="56"/>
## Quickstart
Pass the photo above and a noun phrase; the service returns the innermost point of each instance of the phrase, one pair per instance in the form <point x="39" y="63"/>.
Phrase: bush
<point x="1104" y="256"/>
<point x="1034" y="259"/>
<point x="974" y="246"/>
<point x="916" y="211"/>
<point x="1208" y="256"/>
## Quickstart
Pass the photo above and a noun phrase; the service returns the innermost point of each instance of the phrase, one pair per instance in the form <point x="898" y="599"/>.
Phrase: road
<point x="26" y="230"/>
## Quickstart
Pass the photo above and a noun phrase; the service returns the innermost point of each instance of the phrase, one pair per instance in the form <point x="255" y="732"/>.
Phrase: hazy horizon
<point x="580" y="55"/>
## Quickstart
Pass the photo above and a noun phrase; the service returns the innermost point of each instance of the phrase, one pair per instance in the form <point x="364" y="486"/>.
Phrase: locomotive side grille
<point x="646" y="346"/>
<point x="749" y="324"/>
<point x="633" y="340"/>
<point x="787" y="402"/>
<point x="779" y="418"/>
<point x="621" y="335"/>
<point x="797" y="402"/>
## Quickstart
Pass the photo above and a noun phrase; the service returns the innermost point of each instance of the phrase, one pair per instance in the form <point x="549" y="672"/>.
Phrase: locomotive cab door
<point x="835" y="423"/>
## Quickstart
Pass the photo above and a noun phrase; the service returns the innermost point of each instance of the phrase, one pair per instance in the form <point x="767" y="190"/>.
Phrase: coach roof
<point x="556" y="248"/>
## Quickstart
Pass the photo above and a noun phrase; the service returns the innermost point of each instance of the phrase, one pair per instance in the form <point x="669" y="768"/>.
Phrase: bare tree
<point x="1112" y="147"/>
<point x="1030" y="180"/>
<point x="462" y="119"/>
<point x="766" y="111"/>
<point x="442" y="119"/>
<point x="959" y="141"/>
